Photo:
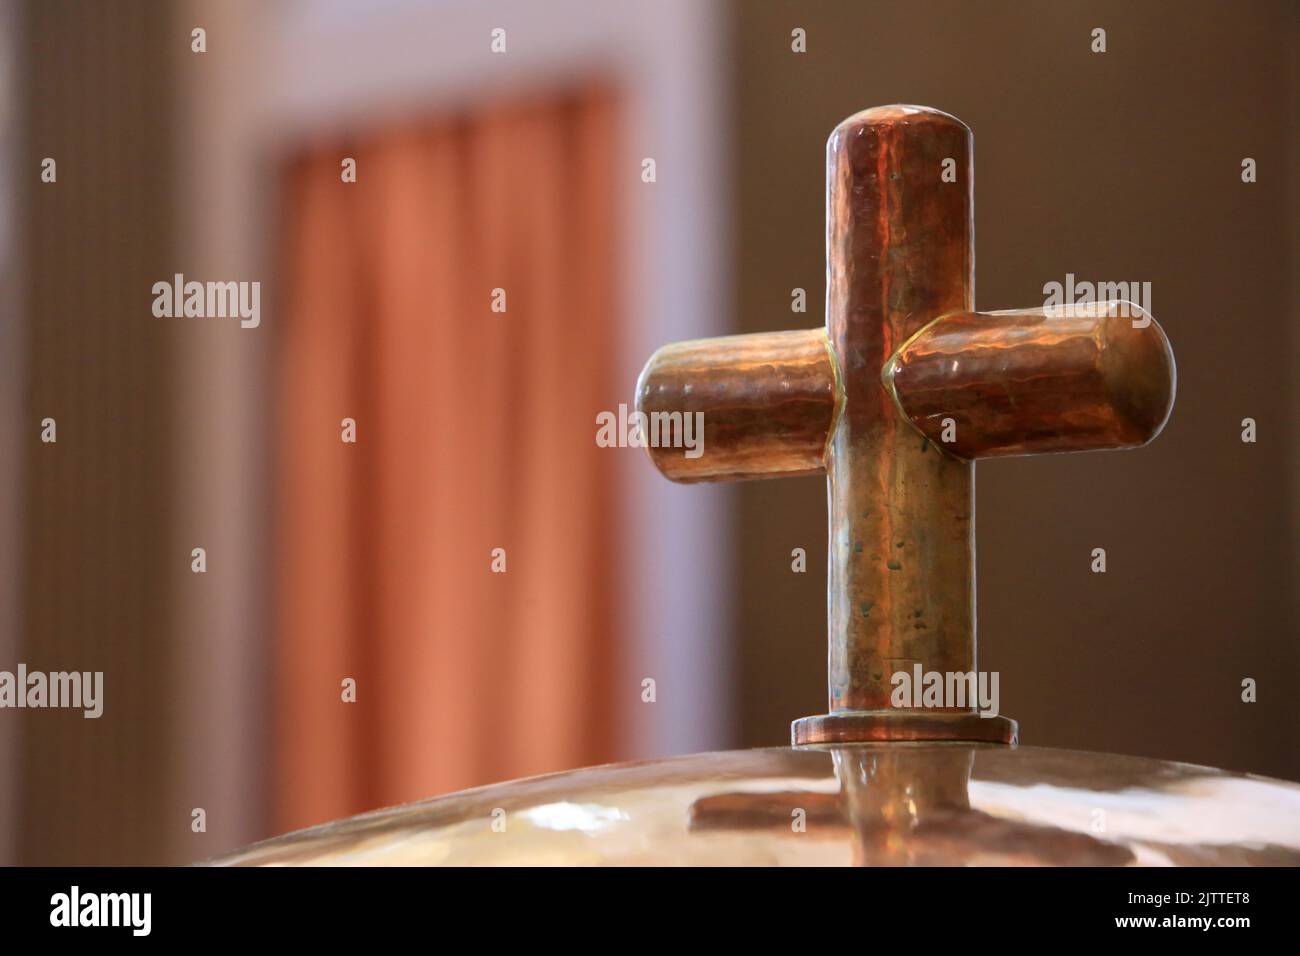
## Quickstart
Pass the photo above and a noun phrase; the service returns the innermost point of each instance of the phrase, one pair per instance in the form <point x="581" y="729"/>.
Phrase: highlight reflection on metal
<point x="894" y="401"/>
<point x="864" y="805"/>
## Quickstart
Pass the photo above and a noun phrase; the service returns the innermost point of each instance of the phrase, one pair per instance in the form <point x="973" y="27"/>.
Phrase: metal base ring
<point x="916" y="726"/>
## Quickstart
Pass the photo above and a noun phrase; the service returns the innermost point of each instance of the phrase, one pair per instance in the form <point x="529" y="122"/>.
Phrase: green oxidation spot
<point x="925" y="445"/>
<point x="894" y="566"/>
<point x="865" y="607"/>
<point x="857" y="548"/>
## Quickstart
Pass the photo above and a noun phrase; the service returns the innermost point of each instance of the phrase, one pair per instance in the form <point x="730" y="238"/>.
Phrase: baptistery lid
<point x="873" y="805"/>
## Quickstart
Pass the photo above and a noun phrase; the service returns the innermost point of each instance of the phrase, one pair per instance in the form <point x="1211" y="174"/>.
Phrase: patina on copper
<point x="895" y="401"/>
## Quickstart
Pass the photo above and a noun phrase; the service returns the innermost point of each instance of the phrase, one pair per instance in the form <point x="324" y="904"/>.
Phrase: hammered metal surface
<point x="862" y="805"/>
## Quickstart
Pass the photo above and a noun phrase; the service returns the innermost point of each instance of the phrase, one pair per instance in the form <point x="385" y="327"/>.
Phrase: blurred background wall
<point x="327" y="560"/>
<point x="96" y="506"/>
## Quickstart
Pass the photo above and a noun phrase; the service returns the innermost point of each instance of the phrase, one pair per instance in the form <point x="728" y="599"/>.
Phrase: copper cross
<point x="894" y="401"/>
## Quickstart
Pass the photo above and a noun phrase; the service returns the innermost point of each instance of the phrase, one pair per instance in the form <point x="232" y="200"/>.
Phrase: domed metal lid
<point x="881" y="805"/>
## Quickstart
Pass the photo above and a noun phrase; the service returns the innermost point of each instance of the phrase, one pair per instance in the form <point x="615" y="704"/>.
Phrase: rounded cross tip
<point x="897" y="113"/>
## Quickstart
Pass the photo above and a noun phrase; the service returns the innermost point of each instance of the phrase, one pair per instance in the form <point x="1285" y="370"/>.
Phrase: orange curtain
<point x="475" y="430"/>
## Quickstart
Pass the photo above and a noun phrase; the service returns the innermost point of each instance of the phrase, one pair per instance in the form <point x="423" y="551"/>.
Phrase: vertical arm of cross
<point x="899" y="249"/>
